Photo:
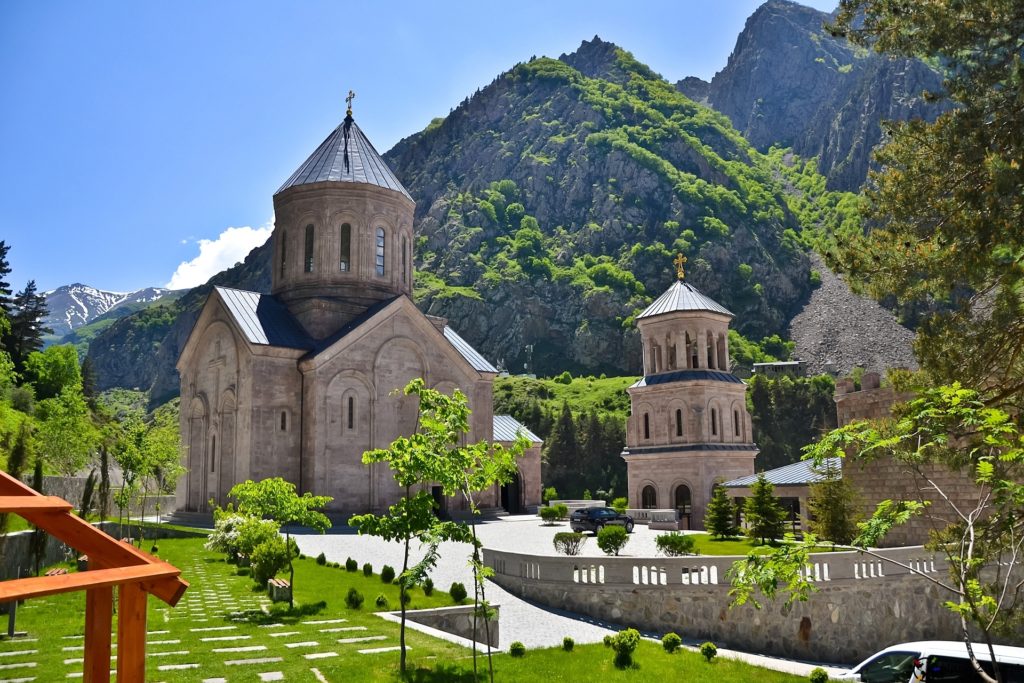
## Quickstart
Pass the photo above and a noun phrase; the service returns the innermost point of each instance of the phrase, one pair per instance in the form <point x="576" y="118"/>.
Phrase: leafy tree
<point x="833" y="507"/>
<point x="276" y="499"/>
<point x="948" y="427"/>
<point x="720" y="518"/>
<point x="762" y="513"/>
<point x="53" y="369"/>
<point x="26" y="329"/>
<point x="66" y="437"/>
<point x="945" y="210"/>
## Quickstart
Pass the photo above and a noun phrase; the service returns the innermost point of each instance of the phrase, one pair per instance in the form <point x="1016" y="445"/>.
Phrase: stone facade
<point x="885" y="479"/>
<point x="300" y="383"/>
<point x="688" y="427"/>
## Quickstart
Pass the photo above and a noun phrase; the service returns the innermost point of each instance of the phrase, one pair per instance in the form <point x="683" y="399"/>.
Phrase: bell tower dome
<point x="343" y="235"/>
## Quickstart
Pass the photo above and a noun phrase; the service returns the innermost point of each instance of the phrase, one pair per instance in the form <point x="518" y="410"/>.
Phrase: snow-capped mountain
<point x="72" y="306"/>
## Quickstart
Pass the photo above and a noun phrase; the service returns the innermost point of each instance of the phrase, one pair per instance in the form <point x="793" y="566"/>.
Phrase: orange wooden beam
<point x="99" y="607"/>
<point x="40" y="586"/>
<point x="131" y="634"/>
<point x="19" y="504"/>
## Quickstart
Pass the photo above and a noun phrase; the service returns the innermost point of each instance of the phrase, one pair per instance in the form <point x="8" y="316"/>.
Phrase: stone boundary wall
<point x="71" y="489"/>
<point x="862" y="604"/>
<point x="458" y="621"/>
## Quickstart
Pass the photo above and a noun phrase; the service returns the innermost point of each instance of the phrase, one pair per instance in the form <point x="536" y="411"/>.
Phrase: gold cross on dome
<point x="348" y="101"/>
<point x="679" y="261"/>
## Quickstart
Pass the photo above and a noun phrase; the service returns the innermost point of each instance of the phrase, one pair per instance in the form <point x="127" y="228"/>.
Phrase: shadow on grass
<point x="279" y="614"/>
<point x="442" y="673"/>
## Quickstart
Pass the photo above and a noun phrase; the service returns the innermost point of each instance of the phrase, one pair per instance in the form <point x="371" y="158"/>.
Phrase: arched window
<point x="649" y="498"/>
<point x="345" y="251"/>
<point x="683" y="501"/>
<point x="307" y="261"/>
<point x="736" y="421"/>
<point x="213" y="453"/>
<point x="284" y="421"/>
<point x="405" y="261"/>
<point x="284" y="250"/>
<point x="679" y="422"/>
<point x="714" y="422"/>
<point x="380" y="251"/>
<point x="351" y="412"/>
<point x="647" y="426"/>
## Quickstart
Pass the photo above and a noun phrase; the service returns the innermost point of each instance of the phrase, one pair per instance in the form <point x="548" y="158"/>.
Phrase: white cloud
<point x="230" y="247"/>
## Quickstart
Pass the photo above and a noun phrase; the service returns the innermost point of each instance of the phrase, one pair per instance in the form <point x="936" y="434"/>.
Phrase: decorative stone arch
<point x="646" y="422"/>
<point x="737" y="421"/>
<point x="446" y="387"/>
<point x="333" y="242"/>
<point x="195" y="438"/>
<point x="223" y="453"/>
<point x="342" y="416"/>
<point x="398" y="360"/>
<point x="647" y="495"/>
<point x="677" y="427"/>
<point x="715" y="420"/>
<point x="681" y="500"/>
<point x="383" y="220"/>
<point x="295" y="250"/>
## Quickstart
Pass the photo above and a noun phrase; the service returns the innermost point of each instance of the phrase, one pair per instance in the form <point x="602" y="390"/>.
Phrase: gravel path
<point x="533" y="625"/>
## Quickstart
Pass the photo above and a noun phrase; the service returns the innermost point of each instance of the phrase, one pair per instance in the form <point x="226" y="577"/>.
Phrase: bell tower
<point x="343" y="235"/>
<point x="688" y="427"/>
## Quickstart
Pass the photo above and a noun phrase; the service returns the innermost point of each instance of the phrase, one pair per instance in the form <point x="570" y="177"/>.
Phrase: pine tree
<point x="561" y="450"/>
<point x="762" y="512"/>
<point x="833" y="508"/>
<point x="720" y="518"/>
<point x="27" y="329"/>
<point x="6" y="303"/>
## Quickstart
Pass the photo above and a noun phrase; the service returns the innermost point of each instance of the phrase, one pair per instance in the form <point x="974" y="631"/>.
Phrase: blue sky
<point x="143" y="141"/>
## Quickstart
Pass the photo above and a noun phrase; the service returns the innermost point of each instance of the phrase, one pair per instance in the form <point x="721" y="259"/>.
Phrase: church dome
<point x="683" y="297"/>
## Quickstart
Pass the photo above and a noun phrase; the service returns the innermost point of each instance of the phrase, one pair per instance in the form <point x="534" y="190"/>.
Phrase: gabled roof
<point x="506" y="428"/>
<point x="472" y="356"/>
<point x="798" y="473"/>
<point x="686" y="376"/>
<point x="346" y="156"/>
<point x="682" y="296"/>
<point x="263" y="319"/>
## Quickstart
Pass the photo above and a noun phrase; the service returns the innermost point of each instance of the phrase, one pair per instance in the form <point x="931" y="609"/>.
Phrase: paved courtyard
<point x="533" y="625"/>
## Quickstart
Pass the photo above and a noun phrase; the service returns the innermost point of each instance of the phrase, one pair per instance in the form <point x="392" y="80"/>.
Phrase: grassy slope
<point x="605" y="395"/>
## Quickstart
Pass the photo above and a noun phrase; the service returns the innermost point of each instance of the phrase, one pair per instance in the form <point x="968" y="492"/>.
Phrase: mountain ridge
<point x="74" y="305"/>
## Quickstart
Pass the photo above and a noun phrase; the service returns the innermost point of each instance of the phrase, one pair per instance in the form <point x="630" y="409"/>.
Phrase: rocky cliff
<point x="789" y="83"/>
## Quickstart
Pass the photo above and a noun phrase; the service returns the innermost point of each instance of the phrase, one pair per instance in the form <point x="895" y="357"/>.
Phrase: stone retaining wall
<point x="458" y="621"/>
<point x="861" y="604"/>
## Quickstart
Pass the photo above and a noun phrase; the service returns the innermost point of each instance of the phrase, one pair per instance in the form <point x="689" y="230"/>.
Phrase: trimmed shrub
<point x="351" y="565"/>
<point x="709" y="650"/>
<point x="354" y="599"/>
<point x="620" y="504"/>
<point x="321" y="559"/>
<point x="671" y="642"/>
<point x="381" y="601"/>
<point x="268" y="559"/>
<point x="517" y="649"/>
<point x="550" y="494"/>
<point x="563" y="510"/>
<point x="549" y="515"/>
<point x="458" y="592"/>
<point x="568" y="644"/>
<point x="607" y="640"/>
<point x="675" y="544"/>
<point x="818" y="675"/>
<point x="569" y="542"/>
<point x="367" y="569"/>
<point x="624" y="643"/>
<point x="612" y="539"/>
<point x="428" y="586"/>
<point x="387" y="574"/>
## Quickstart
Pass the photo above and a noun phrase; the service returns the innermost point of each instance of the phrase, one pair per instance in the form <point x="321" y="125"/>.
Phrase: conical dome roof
<point x="682" y="296"/>
<point x="346" y="156"/>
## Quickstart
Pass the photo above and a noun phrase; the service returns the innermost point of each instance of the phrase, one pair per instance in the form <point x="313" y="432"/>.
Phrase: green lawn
<point x="706" y="545"/>
<point x="222" y="609"/>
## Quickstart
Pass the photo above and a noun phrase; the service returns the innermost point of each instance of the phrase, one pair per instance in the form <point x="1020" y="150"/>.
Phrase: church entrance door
<point x="510" y="496"/>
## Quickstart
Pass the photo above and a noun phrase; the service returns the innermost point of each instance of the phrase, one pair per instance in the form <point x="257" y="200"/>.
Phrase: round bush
<point x="620" y="505"/>
<point x="268" y="559"/>
<point x="675" y="544"/>
<point x="381" y="601"/>
<point x="671" y="642"/>
<point x="367" y="569"/>
<point x="354" y="599"/>
<point x="624" y="643"/>
<point x="612" y="539"/>
<point x="819" y="675"/>
<point x="548" y="514"/>
<point x="321" y="559"/>
<point x="428" y="586"/>
<point x="709" y="650"/>
<point x="517" y="649"/>
<point x="387" y="574"/>
<point x="563" y="510"/>
<point x="458" y="592"/>
<point x="569" y="542"/>
<point x="607" y="640"/>
<point x="568" y="644"/>
<point x="351" y="565"/>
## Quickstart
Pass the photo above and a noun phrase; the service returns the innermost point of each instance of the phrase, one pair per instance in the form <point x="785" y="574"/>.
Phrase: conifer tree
<point x="833" y="507"/>
<point x="720" y="518"/>
<point x="561" y="451"/>
<point x="6" y="303"/>
<point x="27" y="329"/>
<point x="763" y="514"/>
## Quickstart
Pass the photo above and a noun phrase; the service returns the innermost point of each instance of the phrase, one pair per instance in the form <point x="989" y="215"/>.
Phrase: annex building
<point x="298" y="383"/>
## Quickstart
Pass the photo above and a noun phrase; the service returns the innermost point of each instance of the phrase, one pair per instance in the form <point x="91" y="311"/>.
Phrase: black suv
<point x="593" y="519"/>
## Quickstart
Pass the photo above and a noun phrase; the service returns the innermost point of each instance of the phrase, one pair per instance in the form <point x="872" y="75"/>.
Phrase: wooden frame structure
<point x="111" y="563"/>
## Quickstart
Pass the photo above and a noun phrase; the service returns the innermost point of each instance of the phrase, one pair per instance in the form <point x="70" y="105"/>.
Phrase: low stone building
<point x="688" y="427"/>
<point x="298" y="383"/>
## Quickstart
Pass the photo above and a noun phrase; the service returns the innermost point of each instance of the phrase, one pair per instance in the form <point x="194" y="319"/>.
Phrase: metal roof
<point x="803" y="472"/>
<point x="347" y="158"/>
<point x="506" y="428"/>
<point x="685" y="376"/>
<point x="263" y="319"/>
<point x="682" y="296"/>
<point x="472" y="356"/>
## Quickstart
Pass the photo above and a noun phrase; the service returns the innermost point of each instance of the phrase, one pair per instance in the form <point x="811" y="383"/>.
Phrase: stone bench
<point x="280" y="590"/>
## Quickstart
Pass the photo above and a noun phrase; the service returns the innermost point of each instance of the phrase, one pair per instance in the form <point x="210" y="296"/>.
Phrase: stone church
<point x="298" y="383"/>
<point x="688" y="427"/>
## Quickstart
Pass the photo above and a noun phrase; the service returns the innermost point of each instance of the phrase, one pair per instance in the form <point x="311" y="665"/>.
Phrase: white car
<point x="935" y="661"/>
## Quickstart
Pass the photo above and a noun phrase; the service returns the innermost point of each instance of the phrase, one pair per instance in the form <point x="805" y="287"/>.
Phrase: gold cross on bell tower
<point x="679" y="261"/>
<point x="348" y="102"/>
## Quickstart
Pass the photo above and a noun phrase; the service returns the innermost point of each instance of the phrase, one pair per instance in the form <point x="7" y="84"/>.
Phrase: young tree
<point x="720" y="518"/>
<point x="948" y="427"/>
<point x="762" y="512"/>
<point x="66" y="436"/>
<point x="276" y="499"/>
<point x="52" y="369"/>
<point x="833" y="506"/>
